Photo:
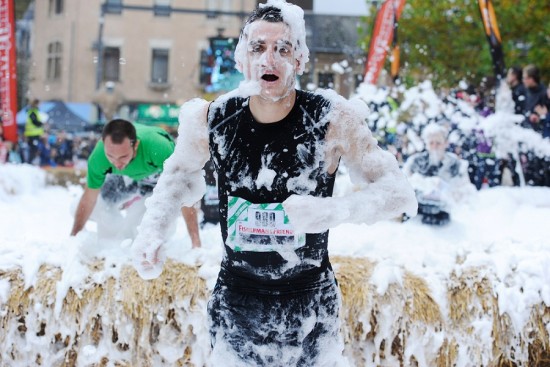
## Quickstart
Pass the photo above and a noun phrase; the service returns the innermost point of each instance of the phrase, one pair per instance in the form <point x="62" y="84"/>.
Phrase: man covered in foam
<point x="439" y="177"/>
<point x="276" y="151"/>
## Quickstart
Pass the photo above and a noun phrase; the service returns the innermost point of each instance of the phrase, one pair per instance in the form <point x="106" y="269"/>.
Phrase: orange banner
<point x="8" y="78"/>
<point x="382" y="36"/>
<point x="493" y="36"/>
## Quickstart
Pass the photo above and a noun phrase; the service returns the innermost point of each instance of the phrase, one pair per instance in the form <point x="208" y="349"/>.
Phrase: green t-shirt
<point x="155" y="146"/>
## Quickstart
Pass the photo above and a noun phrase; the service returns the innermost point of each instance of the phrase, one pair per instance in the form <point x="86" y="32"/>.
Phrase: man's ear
<point x="136" y="144"/>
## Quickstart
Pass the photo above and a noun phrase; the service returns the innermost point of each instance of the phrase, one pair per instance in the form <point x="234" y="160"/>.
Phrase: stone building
<point x="164" y="52"/>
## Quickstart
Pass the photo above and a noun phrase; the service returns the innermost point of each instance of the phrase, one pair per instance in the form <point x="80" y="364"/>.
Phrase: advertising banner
<point x="493" y="36"/>
<point x="8" y="78"/>
<point x="382" y="36"/>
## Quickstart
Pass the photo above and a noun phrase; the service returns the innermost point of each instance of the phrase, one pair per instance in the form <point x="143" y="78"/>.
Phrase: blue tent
<point x="71" y="117"/>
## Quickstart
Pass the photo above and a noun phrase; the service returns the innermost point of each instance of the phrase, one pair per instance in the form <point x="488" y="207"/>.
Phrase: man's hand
<point x="541" y="111"/>
<point x="534" y="118"/>
<point x="148" y="260"/>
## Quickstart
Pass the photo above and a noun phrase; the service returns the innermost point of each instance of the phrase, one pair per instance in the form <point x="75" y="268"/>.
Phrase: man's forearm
<point x="192" y="222"/>
<point x="84" y="210"/>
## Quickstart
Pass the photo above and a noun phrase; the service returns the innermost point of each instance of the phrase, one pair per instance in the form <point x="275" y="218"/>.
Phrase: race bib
<point x="260" y="227"/>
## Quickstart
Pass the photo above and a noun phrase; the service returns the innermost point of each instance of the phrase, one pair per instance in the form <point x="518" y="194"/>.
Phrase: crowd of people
<point x="42" y="146"/>
<point x="531" y="102"/>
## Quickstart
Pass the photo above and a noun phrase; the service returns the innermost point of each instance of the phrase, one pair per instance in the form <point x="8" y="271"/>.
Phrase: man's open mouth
<point x="270" y="77"/>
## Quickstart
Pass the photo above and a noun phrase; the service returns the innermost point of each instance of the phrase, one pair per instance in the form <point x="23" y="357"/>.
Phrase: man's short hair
<point x="268" y="13"/>
<point x="516" y="71"/>
<point x="118" y="130"/>
<point x="533" y="72"/>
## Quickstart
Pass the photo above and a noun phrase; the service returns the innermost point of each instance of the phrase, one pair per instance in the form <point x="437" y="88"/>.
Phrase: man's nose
<point x="269" y="57"/>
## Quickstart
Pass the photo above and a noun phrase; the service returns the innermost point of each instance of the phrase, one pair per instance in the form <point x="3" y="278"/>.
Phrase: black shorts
<point x="117" y="189"/>
<point x="289" y="329"/>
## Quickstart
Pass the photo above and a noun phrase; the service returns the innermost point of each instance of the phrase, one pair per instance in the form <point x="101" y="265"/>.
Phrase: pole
<point x="99" y="66"/>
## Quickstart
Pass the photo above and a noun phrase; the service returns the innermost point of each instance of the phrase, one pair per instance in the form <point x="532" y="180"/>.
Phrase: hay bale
<point x="410" y="306"/>
<point x="126" y="321"/>
<point x="128" y="316"/>
<point x="64" y="176"/>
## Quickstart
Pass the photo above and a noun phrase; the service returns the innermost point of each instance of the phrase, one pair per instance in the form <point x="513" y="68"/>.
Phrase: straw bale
<point x="420" y="306"/>
<point x="448" y="353"/>
<point x="64" y="176"/>
<point x="131" y="318"/>
<point x="362" y="308"/>
<point x="141" y="299"/>
<point x="19" y="298"/>
<point x="469" y="294"/>
<point x="46" y="282"/>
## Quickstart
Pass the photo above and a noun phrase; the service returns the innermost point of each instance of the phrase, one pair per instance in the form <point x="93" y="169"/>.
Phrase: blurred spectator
<point x="82" y="148"/>
<point x="542" y="111"/>
<point x="535" y="95"/>
<point x="514" y="81"/>
<point x="64" y="145"/>
<point x="34" y="129"/>
<point x="483" y="167"/>
<point x="46" y="153"/>
<point x="3" y="147"/>
<point x="438" y="176"/>
<point x="14" y="153"/>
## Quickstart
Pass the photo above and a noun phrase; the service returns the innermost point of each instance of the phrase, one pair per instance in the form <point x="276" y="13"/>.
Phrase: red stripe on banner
<point x="381" y="38"/>
<point x="8" y="76"/>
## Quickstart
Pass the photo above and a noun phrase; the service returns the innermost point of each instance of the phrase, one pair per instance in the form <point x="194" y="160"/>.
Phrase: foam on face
<point x="294" y="17"/>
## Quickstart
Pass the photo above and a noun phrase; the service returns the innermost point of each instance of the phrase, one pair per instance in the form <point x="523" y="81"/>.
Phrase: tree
<point x="444" y="40"/>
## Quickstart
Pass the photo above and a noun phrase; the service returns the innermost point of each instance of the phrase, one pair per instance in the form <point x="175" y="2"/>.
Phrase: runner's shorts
<point x="118" y="188"/>
<point x="249" y="327"/>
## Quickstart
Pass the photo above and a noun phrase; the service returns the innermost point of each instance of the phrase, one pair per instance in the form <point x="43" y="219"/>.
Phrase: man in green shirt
<point x="131" y="152"/>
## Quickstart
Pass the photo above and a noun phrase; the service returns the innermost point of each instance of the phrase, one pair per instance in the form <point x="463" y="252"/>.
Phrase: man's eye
<point x="284" y="51"/>
<point x="257" y="49"/>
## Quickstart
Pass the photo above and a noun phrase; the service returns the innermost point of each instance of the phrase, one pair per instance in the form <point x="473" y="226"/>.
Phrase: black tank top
<point x="266" y="163"/>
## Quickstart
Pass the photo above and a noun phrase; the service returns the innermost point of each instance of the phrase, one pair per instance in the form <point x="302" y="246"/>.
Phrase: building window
<point x="325" y="80"/>
<point x="113" y="6"/>
<point x="159" y="66"/>
<point x="214" y="6"/>
<point x="111" y="64"/>
<point x="162" y="8"/>
<point x="53" y="71"/>
<point x="55" y="7"/>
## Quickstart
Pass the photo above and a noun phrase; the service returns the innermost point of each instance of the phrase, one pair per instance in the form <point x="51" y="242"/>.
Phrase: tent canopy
<point x="71" y="117"/>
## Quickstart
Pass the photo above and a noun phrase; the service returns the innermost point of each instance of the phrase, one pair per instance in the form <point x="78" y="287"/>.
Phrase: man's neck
<point x="267" y="111"/>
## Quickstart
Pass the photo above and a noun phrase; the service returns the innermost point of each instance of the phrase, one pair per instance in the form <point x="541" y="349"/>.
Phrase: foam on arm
<point x="382" y="191"/>
<point x="180" y="184"/>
